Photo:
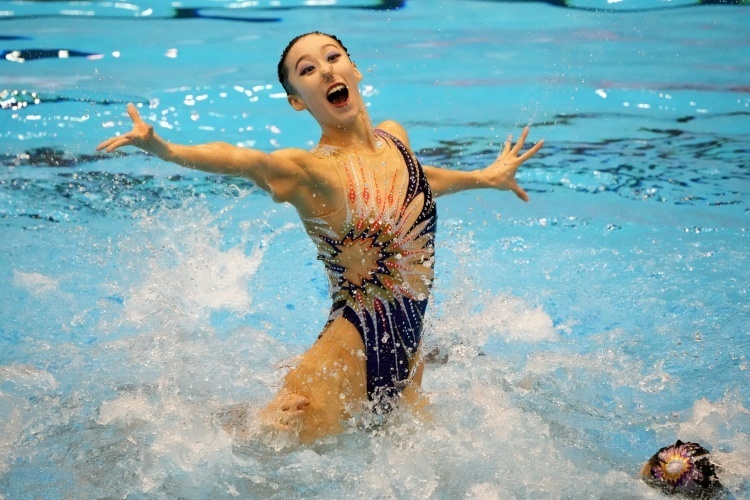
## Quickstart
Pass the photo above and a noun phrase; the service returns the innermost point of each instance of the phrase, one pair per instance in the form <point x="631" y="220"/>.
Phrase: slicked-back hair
<point x="283" y="71"/>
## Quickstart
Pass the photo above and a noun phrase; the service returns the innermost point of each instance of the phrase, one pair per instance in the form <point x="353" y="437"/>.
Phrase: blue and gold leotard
<point x="380" y="265"/>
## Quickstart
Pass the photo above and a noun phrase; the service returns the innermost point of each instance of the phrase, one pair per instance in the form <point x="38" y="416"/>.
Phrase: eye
<point x="306" y="69"/>
<point x="333" y="57"/>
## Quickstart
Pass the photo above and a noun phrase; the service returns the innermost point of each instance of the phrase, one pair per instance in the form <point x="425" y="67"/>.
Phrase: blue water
<point x="574" y="335"/>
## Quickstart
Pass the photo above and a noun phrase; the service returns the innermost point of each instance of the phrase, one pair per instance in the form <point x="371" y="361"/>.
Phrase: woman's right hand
<point x="142" y="136"/>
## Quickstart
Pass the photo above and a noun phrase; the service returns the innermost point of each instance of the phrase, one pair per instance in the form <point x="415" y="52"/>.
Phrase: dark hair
<point x="282" y="70"/>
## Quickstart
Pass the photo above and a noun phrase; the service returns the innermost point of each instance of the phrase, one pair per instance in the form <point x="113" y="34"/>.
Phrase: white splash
<point x="472" y="318"/>
<point x="11" y="424"/>
<point x="36" y="284"/>
<point x="716" y="426"/>
<point x="126" y="410"/>
<point x="187" y="273"/>
<point x="27" y="376"/>
<point x="22" y="382"/>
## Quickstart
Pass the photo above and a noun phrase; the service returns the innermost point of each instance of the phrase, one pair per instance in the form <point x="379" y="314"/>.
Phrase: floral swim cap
<point x="683" y="468"/>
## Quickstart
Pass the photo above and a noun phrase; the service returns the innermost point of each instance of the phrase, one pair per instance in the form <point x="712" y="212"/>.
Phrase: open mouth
<point x="338" y="95"/>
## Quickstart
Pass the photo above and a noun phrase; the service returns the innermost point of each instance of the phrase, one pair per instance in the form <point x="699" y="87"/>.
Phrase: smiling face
<point x="323" y="80"/>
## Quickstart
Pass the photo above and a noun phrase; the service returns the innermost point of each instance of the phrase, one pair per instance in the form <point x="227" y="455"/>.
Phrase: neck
<point x="359" y="136"/>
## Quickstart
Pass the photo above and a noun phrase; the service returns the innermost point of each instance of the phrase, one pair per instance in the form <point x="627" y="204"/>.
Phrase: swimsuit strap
<point x="417" y="178"/>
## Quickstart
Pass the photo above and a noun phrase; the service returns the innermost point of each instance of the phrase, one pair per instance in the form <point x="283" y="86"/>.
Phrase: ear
<point x="357" y="73"/>
<point x="297" y="103"/>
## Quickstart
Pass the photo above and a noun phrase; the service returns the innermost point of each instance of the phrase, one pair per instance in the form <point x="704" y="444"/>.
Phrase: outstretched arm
<point x="278" y="173"/>
<point x="501" y="174"/>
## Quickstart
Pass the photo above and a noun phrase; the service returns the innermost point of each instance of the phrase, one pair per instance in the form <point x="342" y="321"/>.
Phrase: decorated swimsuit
<point x="380" y="264"/>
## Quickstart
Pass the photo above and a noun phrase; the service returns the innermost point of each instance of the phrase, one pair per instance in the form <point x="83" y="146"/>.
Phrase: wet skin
<point x="328" y="384"/>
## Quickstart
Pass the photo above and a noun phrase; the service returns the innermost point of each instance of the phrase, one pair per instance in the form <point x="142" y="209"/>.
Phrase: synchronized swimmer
<point x="369" y="207"/>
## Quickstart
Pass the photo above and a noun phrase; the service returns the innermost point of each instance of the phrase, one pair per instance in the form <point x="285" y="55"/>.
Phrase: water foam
<point x="533" y="417"/>
<point x="718" y="426"/>
<point x="36" y="284"/>
<point x="187" y="273"/>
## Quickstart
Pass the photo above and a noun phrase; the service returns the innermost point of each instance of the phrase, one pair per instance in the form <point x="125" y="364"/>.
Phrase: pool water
<point x="572" y="336"/>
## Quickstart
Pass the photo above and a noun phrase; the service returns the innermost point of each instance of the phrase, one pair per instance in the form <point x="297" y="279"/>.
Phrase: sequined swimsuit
<point x="380" y="264"/>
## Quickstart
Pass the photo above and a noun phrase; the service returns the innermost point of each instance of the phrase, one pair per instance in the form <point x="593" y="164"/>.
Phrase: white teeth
<point x="341" y="86"/>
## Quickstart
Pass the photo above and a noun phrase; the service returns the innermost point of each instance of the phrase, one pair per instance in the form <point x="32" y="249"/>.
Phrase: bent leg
<point x="284" y="413"/>
<point x="319" y="392"/>
<point x="326" y="387"/>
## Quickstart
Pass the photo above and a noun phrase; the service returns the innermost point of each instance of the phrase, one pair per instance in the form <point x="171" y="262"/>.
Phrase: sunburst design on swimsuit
<point x="380" y="263"/>
<point x="375" y="265"/>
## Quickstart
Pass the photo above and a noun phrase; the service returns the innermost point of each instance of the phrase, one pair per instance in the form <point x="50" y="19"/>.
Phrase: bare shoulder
<point x="312" y="178"/>
<point x="299" y="157"/>
<point x="310" y="165"/>
<point x="396" y="129"/>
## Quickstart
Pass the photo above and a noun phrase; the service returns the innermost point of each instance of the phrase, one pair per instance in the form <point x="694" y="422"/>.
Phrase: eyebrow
<point x="307" y="55"/>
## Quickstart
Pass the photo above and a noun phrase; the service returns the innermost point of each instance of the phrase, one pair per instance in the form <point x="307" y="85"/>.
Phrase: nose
<point x="327" y="72"/>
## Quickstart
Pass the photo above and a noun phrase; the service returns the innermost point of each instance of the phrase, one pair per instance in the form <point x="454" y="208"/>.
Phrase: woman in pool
<point x="368" y="205"/>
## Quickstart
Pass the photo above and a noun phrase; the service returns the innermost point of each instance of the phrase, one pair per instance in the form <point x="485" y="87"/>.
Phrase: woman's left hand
<point x="501" y="174"/>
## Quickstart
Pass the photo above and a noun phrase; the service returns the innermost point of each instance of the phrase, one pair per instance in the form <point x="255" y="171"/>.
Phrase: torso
<point x="375" y="235"/>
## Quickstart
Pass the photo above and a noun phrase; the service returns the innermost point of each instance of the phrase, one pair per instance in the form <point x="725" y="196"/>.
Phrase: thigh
<point x="340" y="353"/>
<point x="331" y="374"/>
